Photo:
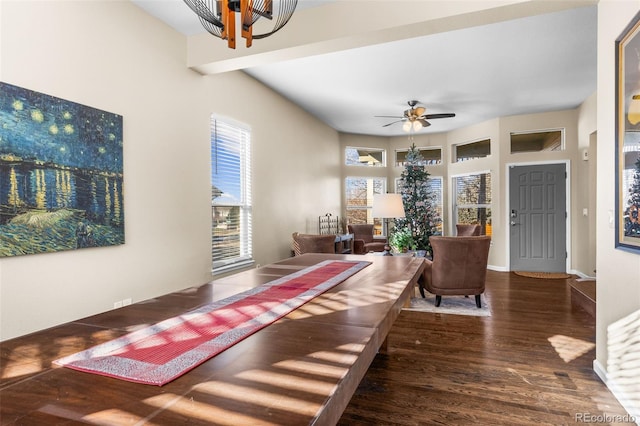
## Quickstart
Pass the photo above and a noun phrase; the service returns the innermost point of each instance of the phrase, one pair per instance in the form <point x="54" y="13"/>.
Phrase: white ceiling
<point x="527" y="65"/>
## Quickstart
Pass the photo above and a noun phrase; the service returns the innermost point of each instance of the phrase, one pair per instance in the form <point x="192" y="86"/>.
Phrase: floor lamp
<point x="387" y="206"/>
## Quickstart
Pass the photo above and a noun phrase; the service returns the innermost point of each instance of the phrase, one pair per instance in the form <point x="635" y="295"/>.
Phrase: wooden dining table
<point x="302" y="369"/>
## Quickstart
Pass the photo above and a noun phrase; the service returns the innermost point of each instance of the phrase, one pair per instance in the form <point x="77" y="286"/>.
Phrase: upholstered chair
<point x="312" y="243"/>
<point x="363" y="241"/>
<point x="467" y="230"/>
<point x="459" y="267"/>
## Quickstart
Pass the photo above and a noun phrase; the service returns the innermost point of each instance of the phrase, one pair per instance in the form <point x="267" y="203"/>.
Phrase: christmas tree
<point x="632" y="222"/>
<point x="421" y="216"/>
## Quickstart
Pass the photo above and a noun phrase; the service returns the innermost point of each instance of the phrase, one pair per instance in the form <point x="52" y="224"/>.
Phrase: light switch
<point x="585" y="212"/>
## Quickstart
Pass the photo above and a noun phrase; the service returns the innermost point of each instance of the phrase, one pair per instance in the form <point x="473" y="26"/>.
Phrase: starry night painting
<point x="60" y="174"/>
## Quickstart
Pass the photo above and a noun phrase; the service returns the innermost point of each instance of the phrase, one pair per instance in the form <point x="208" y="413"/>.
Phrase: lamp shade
<point x="387" y="206"/>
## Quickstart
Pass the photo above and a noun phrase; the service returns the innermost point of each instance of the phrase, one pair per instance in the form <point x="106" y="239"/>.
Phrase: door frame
<point x="567" y="165"/>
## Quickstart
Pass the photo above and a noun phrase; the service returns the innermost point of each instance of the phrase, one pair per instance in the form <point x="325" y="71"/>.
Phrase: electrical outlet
<point x="117" y="304"/>
<point x="126" y="302"/>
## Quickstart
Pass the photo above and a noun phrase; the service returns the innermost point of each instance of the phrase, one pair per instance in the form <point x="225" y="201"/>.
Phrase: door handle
<point x="513" y="223"/>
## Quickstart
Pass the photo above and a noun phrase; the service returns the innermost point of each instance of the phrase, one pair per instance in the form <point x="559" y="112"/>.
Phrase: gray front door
<point x="538" y="218"/>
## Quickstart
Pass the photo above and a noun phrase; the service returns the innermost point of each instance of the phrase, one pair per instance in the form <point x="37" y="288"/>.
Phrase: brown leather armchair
<point x="459" y="267"/>
<point x="312" y="243"/>
<point x="467" y="230"/>
<point x="363" y="241"/>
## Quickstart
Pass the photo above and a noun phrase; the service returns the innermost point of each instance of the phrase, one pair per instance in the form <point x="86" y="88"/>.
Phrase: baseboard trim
<point x="626" y="401"/>
<point x="497" y="268"/>
<point x="580" y="274"/>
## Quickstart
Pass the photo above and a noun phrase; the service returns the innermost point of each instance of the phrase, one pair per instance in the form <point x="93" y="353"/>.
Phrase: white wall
<point x="112" y="56"/>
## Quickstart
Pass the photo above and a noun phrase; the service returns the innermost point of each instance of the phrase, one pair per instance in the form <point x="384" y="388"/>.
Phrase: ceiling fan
<point x="415" y="117"/>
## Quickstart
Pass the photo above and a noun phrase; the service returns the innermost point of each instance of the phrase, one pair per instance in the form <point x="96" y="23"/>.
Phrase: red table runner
<point x="160" y="353"/>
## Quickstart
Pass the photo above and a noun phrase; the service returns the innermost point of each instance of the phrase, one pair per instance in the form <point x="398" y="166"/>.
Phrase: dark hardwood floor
<point x="531" y="362"/>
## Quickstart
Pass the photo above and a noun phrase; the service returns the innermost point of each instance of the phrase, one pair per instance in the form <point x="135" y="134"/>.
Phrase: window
<point x="359" y="196"/>
<point x="230" y="194"/>
<point x="473" y="200"/>
<point x="541" y="141"/>
<point x="431" y="156"/>
<point x="473" y="150"/>
<point x="369" y="157"/>
<point x="435" y="185"/>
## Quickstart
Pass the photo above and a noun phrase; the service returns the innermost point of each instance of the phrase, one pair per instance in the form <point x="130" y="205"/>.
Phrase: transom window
<point x="368" y="157"/>
<point x="231" y="240"/>
<point x="472" y="150"/>
<point x="431" y="156"/>
<point x="538" y="141"/>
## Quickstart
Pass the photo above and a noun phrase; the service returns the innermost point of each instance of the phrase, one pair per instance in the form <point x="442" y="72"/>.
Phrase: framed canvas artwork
<point x="61" y="174"/>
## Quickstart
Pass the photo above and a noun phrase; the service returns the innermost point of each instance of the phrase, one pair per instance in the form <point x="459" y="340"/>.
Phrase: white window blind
<point x="435" y="183"/>
<point x="359" y="196"/>
<point x="473" y="200"/>
<point x="230" y="194"/>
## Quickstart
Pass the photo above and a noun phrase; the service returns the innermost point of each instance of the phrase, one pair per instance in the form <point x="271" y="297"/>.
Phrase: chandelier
<point x="220" y="19"/>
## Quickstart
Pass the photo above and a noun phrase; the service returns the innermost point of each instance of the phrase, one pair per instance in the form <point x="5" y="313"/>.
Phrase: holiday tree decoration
<point x="419" y="199"/>
<point x="632" y="222"/>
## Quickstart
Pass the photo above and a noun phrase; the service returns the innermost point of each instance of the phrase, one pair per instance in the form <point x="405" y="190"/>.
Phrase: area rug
<point x="543" y="275"/>
<point x="454" y="305"/>
<point x="160" y="353"/>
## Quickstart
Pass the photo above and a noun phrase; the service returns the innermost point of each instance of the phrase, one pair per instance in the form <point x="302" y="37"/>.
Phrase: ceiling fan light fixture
<point x="415" y="118"/>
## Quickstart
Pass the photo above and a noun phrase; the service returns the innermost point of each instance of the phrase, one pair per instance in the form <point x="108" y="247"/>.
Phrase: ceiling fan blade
<point x="424" y="122"/>
<point x="444" y="115"/>
<point x="419" y="111"/>
<point x="393" y="122"/>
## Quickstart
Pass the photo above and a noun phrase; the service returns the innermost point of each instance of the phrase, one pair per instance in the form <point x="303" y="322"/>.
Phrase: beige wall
<point x="112" y="56"/>
<point x="586" y="172"/>
<point x="618" y="289"/>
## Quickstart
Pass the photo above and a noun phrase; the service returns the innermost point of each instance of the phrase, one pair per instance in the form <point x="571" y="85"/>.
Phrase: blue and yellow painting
<point x="60" y="174"/>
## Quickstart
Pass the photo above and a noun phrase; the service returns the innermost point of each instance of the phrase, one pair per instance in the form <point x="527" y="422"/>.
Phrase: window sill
<point x="232" y="267"/>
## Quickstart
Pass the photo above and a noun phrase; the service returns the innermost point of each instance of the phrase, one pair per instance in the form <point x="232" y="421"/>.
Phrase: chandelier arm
<point x="207" y="12"/>
<point x="212" y="29"/>
<point x="287" y="7"/>
<point x="246" y="12"/>
<point x="229" y="24"/>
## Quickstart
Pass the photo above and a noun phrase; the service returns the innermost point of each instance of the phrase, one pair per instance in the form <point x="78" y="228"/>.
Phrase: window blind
<point x="359" y="200"/>
<point x="230" y="194"/>
<point x="473" y="200"/>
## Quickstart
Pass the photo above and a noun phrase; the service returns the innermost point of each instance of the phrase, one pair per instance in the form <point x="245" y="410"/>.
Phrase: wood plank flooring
<point x="531" y="362"/>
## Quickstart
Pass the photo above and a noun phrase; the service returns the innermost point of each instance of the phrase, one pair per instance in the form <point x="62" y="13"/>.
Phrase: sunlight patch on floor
<point x="570" y="348"/>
